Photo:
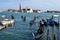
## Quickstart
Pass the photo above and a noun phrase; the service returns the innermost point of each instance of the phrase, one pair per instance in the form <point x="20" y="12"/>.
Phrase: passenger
<point x="12" y="16"/>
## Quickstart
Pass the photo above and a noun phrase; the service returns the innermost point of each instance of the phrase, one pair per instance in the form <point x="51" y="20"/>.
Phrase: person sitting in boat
<point x="39" y="34"/>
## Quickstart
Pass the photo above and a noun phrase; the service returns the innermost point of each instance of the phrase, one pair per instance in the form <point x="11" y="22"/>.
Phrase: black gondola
<point x="49" y="22"/>
<point x="39" y="34"/>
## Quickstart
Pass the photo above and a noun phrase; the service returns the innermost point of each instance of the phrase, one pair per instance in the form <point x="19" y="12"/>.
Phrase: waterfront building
<point x="11" y="10"/>
<point x="29" y="10"/>
<point x="36" y="11"/>
<point x="24" y="10"/>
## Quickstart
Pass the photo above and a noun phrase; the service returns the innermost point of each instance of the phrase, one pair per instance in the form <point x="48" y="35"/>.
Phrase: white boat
<point x="7" y="22"/>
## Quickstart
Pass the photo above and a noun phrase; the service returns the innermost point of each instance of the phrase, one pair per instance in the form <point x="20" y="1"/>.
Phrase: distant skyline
<point x="34" y="4"/>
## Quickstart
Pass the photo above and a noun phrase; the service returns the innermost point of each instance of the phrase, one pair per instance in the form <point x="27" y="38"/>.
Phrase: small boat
<point x="7" y="22"/>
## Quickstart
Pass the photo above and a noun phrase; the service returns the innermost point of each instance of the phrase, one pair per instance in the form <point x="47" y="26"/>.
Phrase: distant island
<point x="52" y="11"/>
<point x="27" y="10"/>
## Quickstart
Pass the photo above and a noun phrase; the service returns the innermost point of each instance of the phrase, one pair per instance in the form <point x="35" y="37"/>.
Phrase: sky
<point x="34" y="4"/>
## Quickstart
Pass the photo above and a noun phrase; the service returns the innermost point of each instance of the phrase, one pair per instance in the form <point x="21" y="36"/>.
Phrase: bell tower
<point x="20" y="8"/>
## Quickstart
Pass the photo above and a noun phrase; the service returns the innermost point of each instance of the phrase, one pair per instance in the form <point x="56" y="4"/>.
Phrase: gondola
<point x="39" y="34"/>
<point x="52" y="22"/>
<point x="37" y="37"/>
<point x="49" y="22"/>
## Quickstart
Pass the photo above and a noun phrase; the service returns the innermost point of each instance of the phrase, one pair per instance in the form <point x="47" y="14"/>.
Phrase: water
<point x="21" y="30"/>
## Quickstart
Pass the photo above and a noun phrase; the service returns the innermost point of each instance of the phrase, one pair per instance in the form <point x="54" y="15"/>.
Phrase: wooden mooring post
<point x="53" y="33"/>
<point x="48" y="34"/>
<point x="59" y="28"/>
